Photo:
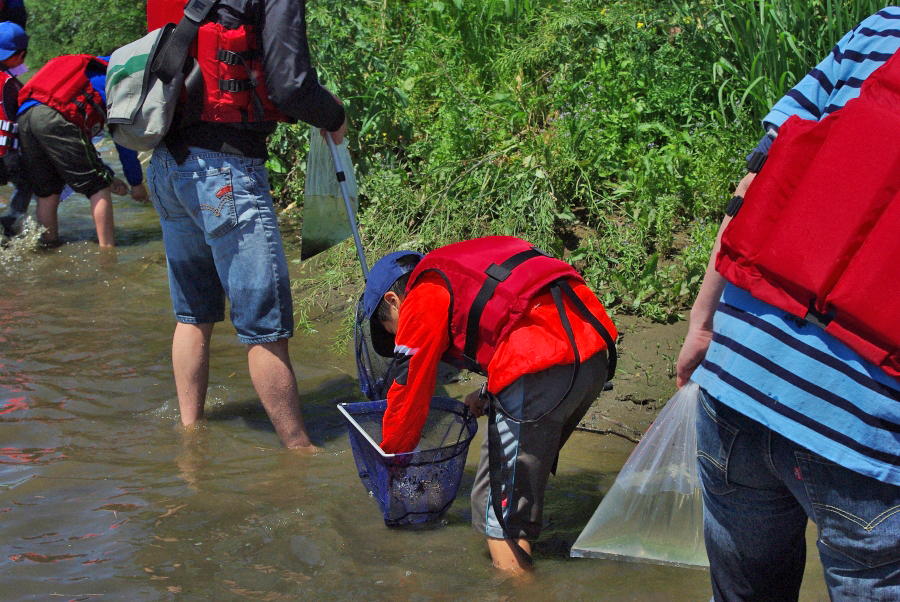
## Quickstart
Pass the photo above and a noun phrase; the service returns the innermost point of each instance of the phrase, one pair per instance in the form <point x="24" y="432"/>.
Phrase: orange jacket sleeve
<point x="422" y="338"/>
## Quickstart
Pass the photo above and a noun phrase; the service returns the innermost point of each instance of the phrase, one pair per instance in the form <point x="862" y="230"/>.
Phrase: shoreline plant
<point x="610" y="133"/>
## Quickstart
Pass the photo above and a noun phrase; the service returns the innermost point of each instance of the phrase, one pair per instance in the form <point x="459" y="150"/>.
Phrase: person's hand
<point x="692" y="353"/>
<point x="476" y="402"/>
<point x="139" y="193"/>
<point x="338" y="135"/>
<point x="118" y="187"/>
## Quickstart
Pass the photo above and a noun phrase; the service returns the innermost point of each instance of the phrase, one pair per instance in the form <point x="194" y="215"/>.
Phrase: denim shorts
<point x="221" y="239"/>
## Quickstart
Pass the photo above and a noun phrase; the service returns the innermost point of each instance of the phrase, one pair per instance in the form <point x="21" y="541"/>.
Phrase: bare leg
<point x="504" y="555"/>
<point x="275" y="383"/>
<point x="102" y="211"/>
<point x="46" y="217"/>
<point x="190" y="362"/>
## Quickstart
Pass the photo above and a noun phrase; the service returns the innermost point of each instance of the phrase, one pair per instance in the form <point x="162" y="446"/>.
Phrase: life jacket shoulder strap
<point x="496" y="274"/>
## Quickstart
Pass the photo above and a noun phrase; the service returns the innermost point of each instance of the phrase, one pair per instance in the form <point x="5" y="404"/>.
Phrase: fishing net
<point x="654" y="511"/>
<point x="376" y="373"/>
<point x="420" y="485"/>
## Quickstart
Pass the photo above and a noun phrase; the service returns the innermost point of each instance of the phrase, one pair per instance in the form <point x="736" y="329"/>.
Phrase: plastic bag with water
<point x="325" y="221"/>
<point x="654" y="511"/>
<point x="418" y="486"/>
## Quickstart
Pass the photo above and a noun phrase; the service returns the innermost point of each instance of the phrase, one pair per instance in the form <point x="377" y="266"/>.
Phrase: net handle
<point x="342" y="180"/>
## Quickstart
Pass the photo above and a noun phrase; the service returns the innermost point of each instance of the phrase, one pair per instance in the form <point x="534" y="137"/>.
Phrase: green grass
<point x="611" y="133"/>
<point x="591" y="129"/>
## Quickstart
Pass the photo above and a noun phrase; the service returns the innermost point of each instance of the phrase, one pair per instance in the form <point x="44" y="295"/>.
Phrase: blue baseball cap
<point x="12" y="39"/>
<point x="382" y="277"/>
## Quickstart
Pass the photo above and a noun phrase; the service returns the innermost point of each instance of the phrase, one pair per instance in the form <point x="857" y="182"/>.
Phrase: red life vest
<point x="9" y="133"/>
<point x="817" y="232"/>
<point x="63" y="85"/>
<point x="466" y="267"/>
<point x="229" y="59"/>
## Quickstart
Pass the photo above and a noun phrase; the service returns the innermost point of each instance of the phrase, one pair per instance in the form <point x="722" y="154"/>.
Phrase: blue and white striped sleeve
<point x="840" y="75"/>
<point x="809" y="98"/>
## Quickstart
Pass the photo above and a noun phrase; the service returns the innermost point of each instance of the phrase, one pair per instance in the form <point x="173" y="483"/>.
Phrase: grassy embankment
<point x="610" y="133"/>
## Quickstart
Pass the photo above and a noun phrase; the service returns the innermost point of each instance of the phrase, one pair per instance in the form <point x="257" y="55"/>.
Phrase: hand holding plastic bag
<point x="654" y="511"/>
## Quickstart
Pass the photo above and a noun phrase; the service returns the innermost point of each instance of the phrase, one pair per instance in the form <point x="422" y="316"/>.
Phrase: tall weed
<point x="767" y="46"/>
<point x="589" y="128"/>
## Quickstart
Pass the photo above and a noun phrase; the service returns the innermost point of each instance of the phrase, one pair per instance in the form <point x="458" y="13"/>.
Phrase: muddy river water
<point x="104" y="497"/>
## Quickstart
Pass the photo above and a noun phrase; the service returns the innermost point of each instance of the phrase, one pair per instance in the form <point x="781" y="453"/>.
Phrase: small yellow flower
<point x="640" y="24"/>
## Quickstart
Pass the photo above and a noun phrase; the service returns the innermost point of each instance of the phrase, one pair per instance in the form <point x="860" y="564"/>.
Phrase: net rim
<point x="463" y="440"/>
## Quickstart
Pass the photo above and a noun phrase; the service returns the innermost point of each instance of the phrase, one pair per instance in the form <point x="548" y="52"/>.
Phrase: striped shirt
<point x="837" y="79"/>
<point x="790" y="375"/>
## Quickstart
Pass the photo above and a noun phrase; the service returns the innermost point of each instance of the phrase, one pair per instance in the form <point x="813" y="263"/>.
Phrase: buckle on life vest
<point x="756" y="161"/>
<point x="498" y="272"/>
<point x="817" y="318"/>
<point x="734" y="205"/>
<point x="234" y="58"/>
<point x="196" y="10"/>
<point x="235" y="85"/>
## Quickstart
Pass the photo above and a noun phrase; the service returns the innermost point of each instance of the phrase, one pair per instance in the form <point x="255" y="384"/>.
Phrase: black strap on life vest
<point x="240" y="85"/>
<point x="756" y="161"/>
<point x="734" y="205"/>
<point x="496" y="274"/>
<point x="170" y="60"/>
<point x="495" y="464"/>
<point x="234" y="58"/>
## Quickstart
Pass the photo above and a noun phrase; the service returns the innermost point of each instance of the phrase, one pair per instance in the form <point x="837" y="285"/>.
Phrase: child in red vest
<point x="13" y="48"/>
<point x="62" y="107"/>
<point x="503" y="308"/>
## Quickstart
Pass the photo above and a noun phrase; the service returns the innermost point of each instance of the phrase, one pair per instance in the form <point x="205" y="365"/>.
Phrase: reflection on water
<point x="104" y="496"/>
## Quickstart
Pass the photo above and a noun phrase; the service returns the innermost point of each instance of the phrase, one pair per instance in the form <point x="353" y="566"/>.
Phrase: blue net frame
<point x="418" y="486"/>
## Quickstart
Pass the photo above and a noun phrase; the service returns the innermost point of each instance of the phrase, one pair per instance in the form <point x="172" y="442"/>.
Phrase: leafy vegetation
<point x="767" y="46"/>
<point x="81" y="27"/>
<point x="591" y="129"/>
<point x="610" y="133"/>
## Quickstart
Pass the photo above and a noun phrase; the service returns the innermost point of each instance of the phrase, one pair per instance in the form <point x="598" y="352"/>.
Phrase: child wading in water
<point x="503" y="308"/>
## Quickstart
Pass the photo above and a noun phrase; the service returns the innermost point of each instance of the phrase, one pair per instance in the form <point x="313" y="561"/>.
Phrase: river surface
<point x="103" y="496"/>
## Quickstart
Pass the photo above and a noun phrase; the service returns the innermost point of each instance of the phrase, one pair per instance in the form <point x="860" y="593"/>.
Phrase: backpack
<point x="145" y="78"/>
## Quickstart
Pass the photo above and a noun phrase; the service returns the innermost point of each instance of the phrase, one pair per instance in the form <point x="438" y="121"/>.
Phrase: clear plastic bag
<point x="325" y="221"/>
<point x="654" y="511"/>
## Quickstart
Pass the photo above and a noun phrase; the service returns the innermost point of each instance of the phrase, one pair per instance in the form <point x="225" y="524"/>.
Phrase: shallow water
<point x="104" y="496"/>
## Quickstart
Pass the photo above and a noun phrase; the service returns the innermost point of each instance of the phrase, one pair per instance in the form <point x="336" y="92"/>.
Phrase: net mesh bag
<point x="376" y="373"/>
<point x="420" y="485"/>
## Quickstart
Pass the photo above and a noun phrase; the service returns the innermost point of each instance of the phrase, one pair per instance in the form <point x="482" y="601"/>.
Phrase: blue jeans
<point x="759" y="489"/>
<point x="221" y="238"/>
